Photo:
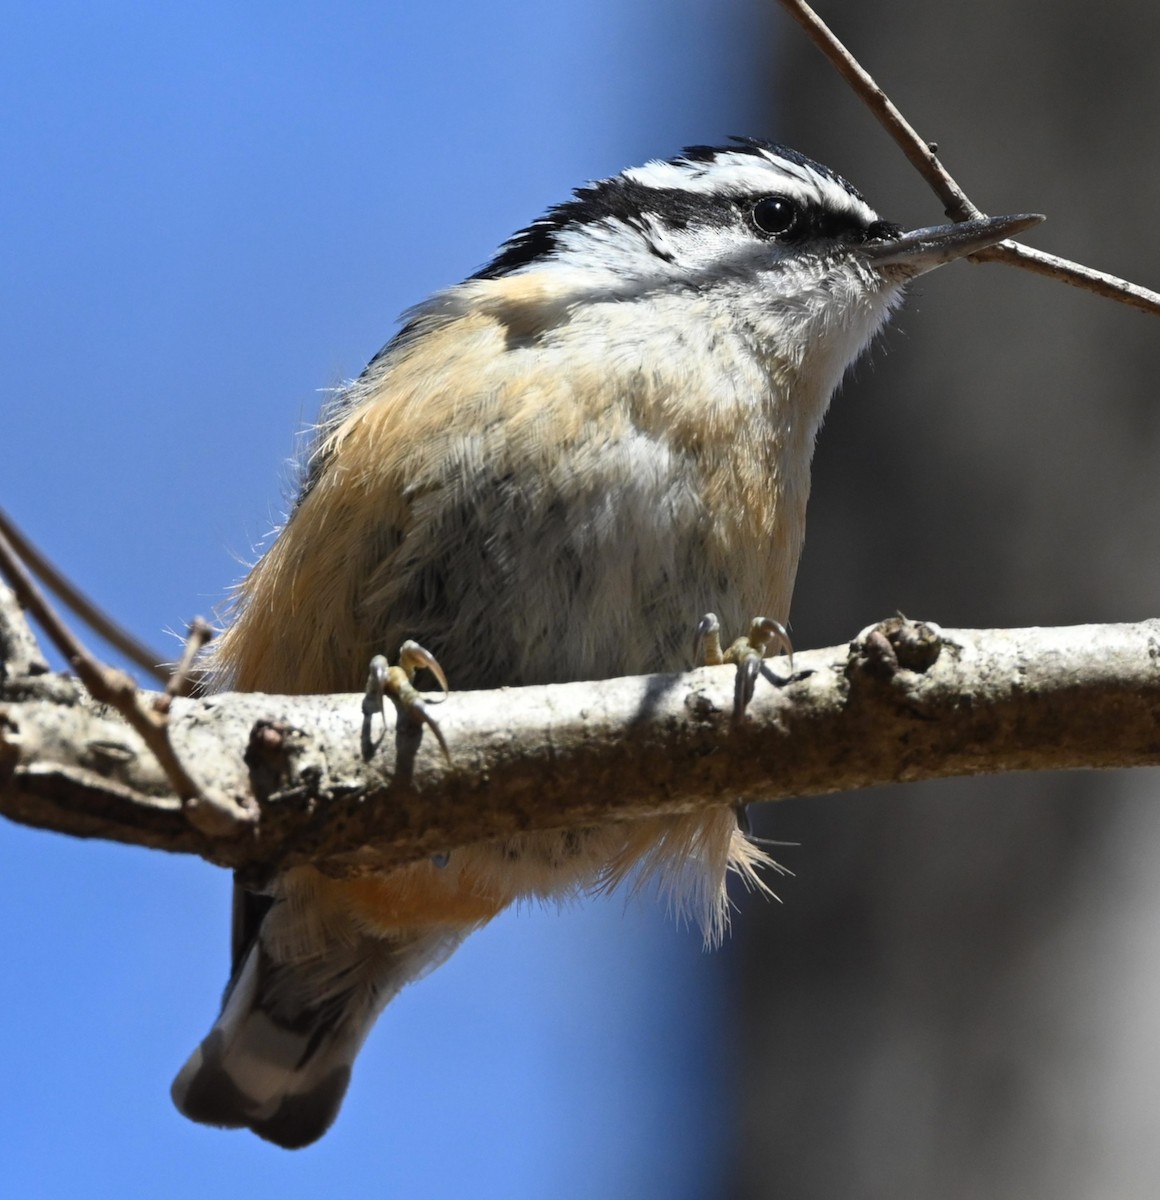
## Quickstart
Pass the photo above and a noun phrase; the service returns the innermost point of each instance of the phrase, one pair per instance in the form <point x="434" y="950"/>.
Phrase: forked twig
<point x="136" y="652"/>
<point x="211" y="813"/>
<point x="956" y="203"/>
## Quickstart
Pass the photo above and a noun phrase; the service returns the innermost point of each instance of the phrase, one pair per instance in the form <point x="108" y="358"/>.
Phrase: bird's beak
<point x="922" y="250"/>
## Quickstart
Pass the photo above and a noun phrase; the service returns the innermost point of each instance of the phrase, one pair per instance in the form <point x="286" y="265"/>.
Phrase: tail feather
<point x="278" y="1060"/>
<point x="317" y="960"/>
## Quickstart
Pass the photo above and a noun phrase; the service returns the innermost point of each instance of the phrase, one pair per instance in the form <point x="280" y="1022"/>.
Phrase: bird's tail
<point x="279" y="1057"/>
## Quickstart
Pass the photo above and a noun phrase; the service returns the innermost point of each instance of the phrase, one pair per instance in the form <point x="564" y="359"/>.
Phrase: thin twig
<point x="184" y="677"/>
<point x="88" y="611"/>
<point x="211" y="813"/>
<point x="956" y="203"/>
<point x="33" y="600"/>
<point x="1075" y="274"/>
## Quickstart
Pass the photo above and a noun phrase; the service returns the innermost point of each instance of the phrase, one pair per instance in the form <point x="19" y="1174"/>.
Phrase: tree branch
<point x="904" y="701"/>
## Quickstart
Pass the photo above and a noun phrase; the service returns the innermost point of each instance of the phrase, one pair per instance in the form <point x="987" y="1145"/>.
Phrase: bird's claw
<point x="412" y="656"/>
<point x="747" y="653"/>
<point x="397" y="682"/>
<point x="707" y="641"/>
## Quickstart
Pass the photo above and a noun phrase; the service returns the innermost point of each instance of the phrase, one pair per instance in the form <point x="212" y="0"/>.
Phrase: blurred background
<point x="213" y="212"/>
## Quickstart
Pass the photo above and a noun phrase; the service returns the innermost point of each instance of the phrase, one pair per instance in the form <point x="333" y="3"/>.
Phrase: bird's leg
<point x="398" y="682"/>
<point x="748" y="653"/>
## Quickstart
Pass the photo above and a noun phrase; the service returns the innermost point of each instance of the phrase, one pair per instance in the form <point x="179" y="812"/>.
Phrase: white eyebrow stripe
<point x="797" y="169"/>
<point x="747" y="173"/>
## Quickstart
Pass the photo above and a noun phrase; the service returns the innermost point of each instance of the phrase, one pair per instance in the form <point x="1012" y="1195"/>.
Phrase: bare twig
<point x="114" y="687"/>
<point x="184" y="677"/>
<point x="1075" y="274"/>
<point x="956" y="203"/>
<point x="73" y="598"/>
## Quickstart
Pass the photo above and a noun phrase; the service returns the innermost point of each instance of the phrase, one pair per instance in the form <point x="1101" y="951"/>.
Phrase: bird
<point x="548" y="474"/>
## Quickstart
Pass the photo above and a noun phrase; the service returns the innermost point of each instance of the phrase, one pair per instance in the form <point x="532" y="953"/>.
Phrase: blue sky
<point x="212" y="212"/>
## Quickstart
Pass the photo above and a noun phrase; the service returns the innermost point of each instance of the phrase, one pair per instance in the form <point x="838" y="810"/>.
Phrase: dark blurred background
<point x="212" y="213"/>
<point x="958" y="997"/>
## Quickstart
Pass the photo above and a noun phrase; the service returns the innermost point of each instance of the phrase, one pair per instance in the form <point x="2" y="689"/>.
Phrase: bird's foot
<point x="399" y="684"/>
<point x="748" y="653"/>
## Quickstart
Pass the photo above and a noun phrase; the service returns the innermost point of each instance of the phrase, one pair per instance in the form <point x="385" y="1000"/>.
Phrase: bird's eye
<point x="775" y="215"/>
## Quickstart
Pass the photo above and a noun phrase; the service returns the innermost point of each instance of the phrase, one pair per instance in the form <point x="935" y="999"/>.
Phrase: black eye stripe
<point x="625" y="200"/>
<point x="813" y="222"/>
<point x="636" y="204"/>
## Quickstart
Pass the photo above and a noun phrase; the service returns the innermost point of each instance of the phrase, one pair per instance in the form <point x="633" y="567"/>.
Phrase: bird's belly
<point x="584" y="576"/>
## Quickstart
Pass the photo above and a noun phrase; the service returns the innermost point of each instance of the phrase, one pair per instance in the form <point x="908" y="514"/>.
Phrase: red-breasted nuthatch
<point x="548" y="474"/>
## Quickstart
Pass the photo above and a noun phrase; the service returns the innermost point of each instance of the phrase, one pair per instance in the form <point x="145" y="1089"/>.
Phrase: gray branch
<point x="903" y="701"/>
